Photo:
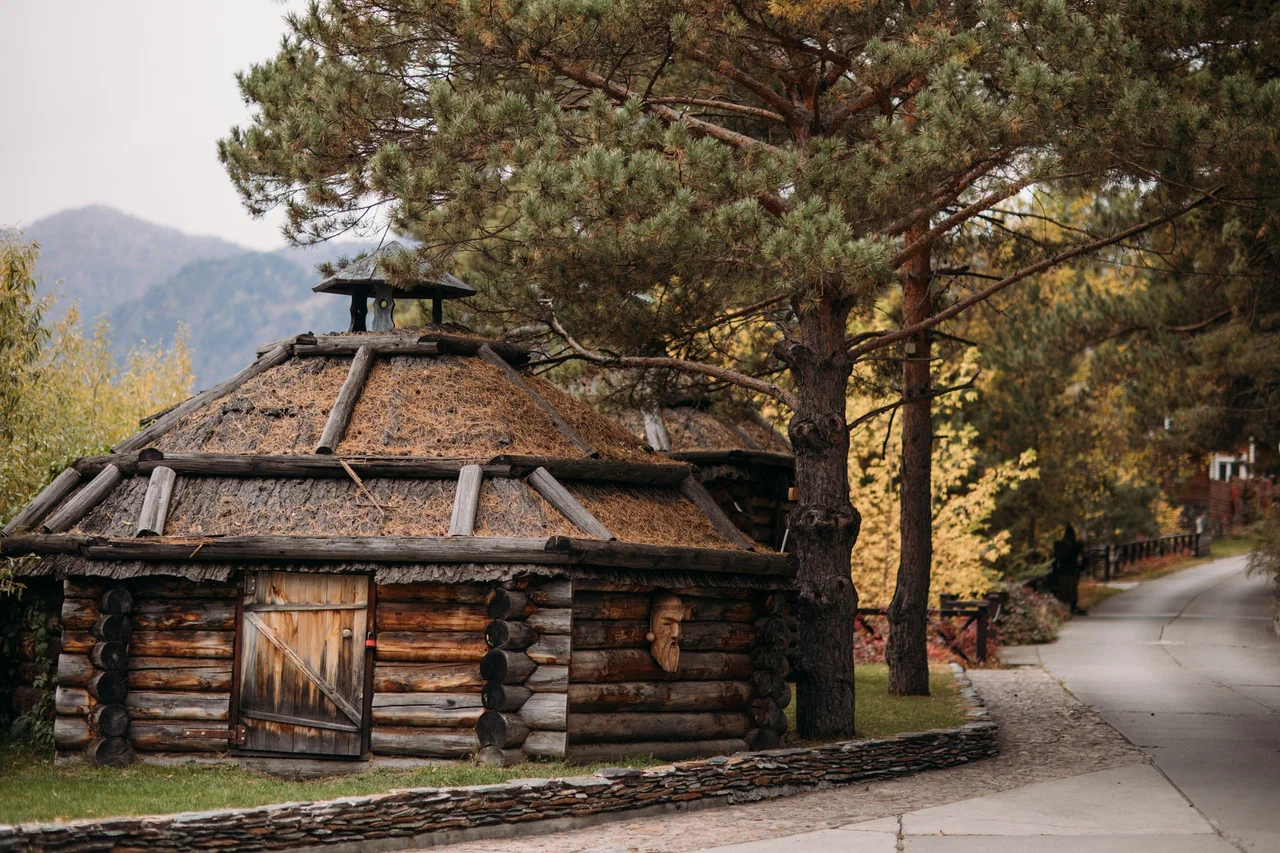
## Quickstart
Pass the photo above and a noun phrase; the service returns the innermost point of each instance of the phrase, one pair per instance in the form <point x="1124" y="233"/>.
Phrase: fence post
<point x="983" y="616"/>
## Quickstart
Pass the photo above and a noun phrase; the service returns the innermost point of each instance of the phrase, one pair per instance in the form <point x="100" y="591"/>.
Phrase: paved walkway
<point x="1187" y="667"/>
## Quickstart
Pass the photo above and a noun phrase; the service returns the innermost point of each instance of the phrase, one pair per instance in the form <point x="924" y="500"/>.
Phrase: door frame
<point x="366" y="710"/>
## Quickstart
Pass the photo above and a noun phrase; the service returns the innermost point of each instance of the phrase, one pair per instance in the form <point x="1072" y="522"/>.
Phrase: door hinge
<point x="235" y="736"/>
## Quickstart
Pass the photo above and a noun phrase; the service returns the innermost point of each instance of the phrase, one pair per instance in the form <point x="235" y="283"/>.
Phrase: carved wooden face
<point x="665" y="615"/>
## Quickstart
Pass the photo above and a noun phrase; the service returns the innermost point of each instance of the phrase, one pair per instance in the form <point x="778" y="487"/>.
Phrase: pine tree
<point x="649" y="178"/>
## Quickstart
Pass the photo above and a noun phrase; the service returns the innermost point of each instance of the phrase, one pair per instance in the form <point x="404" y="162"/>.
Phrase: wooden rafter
<point x="567" y="505"/>
<point x="340" y="414"/>
<point x="486" y="353"/>
<point x="155" y="506"/>
<point x="696" y="493"/>
<point x="84" y="501"/>
<point x="466" y="501"/>
<point x="52" y="495"/>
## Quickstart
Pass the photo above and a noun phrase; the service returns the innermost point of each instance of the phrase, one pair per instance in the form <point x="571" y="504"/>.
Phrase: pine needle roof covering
<point x="702" y="432"/>
<point x="410" y="448"/>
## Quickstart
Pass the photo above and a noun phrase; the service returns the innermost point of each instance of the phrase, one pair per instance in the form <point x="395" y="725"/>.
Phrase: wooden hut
<point x="401" y="544"/>
<point x="740" y="458"/>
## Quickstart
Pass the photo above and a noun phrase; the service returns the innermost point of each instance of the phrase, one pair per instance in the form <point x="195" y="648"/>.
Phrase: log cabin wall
<point x="426" y="674"/>
<point x="728" y="693"/>
<point x="141" y="660"/>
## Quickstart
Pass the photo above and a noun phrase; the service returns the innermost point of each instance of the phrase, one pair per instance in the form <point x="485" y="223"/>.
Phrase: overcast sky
<point x="121" y="102"/>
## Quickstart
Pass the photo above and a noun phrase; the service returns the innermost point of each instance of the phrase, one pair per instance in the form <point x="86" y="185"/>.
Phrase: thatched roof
<point x="706" y="432"/>
<point x="395" y="449"/>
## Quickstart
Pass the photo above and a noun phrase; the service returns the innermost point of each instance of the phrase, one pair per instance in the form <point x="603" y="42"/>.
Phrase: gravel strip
<point x="1045" y="733"/>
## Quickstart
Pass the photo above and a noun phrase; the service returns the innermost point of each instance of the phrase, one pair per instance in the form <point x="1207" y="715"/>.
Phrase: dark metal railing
<point x="1105" y="562"/>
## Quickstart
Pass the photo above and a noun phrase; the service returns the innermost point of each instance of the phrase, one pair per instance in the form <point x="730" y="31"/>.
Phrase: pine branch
<point x="780" y="394"/>
<point x="903" y="401"/>
<point x="1048" y="263"/>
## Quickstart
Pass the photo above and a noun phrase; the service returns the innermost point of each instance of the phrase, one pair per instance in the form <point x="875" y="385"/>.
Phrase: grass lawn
<point x="33" y="789"/>
<point x="877" y="714"/>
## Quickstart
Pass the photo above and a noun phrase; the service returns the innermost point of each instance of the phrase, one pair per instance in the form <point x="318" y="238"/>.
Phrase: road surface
<point x="1187" y="667"/>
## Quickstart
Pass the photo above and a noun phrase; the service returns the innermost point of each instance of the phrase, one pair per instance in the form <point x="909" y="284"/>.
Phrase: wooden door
<point x="302" y="659"/>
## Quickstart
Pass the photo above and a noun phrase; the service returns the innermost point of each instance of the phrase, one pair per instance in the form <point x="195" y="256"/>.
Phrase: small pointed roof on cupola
<point x="365" y="274"/>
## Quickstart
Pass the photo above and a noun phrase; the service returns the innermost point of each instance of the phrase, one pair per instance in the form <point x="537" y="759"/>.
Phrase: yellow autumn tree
<point x="965" y="550"/>
<point x="62" y="392"/>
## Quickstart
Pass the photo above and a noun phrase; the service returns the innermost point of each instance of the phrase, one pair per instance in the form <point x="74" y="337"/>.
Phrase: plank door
<point x="302" y="663"/>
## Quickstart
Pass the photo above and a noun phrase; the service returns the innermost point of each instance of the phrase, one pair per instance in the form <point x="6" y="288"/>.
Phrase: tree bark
<point x="907" y="652"/>
<point x="824" y="523"/>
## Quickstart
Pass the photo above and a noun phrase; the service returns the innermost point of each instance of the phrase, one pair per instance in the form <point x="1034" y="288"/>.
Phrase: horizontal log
<point x="501" y="634"/>
<point x="497" y="757"/>
<point x="635" y="556"/>
<point x="110" y="720"/>
<point x="660" y="696"/>
<point x="181" y="589"/>
<point x="497" y="696"/>
<point x="596" y="753"/>
<point x="431" y="647"/>
<point x="50" y="496"/>
<point x="439" y="710"/>
<point x="598" y="470"/>
<point x="430" y="743"/>
<point x="110" y="752"/>
<point x="157" y="673"/>
<point x="507" y="667"/>
<point x="71" y="733"/>
<point x="184" y="616"/>
<point x="183" y="644"/>
<point x="598" y="585"/>
<point x="548" y="679"/>
<point x="771" y="659"/>
<point x="170" y="419"/>
<point x="555" y="593"/>
<point x="109" y="688"/>
<point x="631" y="727"/>
<point x="502" y="730"/>
<point x="388" y="346"/>
<point x="594" y="667"/>
<point x="769" y="685"/>
<point x="154" y="705"/>
<point x="552" y="620"/>
<point x="74" y="670"/>
<point x="71" y="701"/>
<point x="436" y="593"/>
<point x="82" y="502"/>
<point x="288" y="465"/>
<point x="426" y="716"/>
<point x="167" y="736"/>
<point x="706" y="458"/>
<point x="694" y="636"/>
<point x="79" y="614"/>
<point x="767" y="714"/>
<point x="426" y="678"/>
<point x="558" y="550"/>
<point x="550" y="650"/>
<point x="78" y="642"/>
<point x="546" y="712"/>
<point x="442" y="701"/>
<point x="113" y="627"/>
<point x="544" y="744"/>
<point x="109" y="656"/>
<point x="604" y="605"/>
<point x="430" y="618"/>
<point x="504" y="603"/>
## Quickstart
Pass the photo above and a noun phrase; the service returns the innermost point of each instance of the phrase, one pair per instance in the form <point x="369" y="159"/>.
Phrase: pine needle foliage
<point x="640" y="176"/>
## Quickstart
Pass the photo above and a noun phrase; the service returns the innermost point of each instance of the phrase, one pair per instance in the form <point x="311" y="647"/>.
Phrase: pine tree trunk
<point x="907" y="650"/>
<point x="823" y="523"/>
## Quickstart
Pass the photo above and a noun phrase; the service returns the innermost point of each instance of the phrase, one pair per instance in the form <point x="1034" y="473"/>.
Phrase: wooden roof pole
<point x="514" y="377"/>
<point x="567" y="505"/>
<point x="340" y="414"/>
<point x="466" y="501"/>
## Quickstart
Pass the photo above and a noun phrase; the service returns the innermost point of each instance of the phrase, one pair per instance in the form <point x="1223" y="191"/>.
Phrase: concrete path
<point x="1125" y="810"/>
<point x="1187" y="667"/>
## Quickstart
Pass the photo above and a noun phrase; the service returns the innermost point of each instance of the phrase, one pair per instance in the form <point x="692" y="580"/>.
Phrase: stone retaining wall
<point x="408" y="818"/>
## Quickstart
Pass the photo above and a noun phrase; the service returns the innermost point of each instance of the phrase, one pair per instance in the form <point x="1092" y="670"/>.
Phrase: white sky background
<point x="121" y="102"/>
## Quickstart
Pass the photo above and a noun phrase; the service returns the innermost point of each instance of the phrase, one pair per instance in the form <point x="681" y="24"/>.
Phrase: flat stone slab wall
<point x="415" y="817"/>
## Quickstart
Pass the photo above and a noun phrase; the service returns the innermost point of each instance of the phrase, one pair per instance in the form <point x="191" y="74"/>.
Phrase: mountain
<point x="148" y="278"/>
<point x="230" y="306"/>
<point x="102" y="257"/>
